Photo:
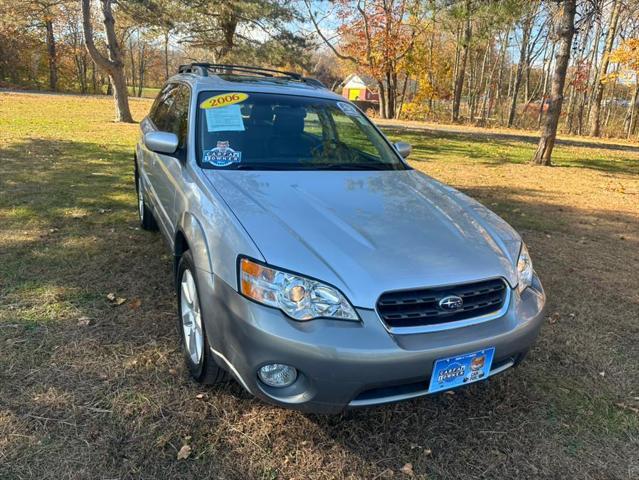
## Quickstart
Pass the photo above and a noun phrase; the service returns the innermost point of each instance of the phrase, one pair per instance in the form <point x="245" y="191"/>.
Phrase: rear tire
<point x="194" y="339"/>
<point x="147" y="220"/>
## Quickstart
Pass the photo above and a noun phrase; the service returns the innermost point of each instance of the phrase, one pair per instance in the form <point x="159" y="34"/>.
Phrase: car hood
<point x="369" y="232"/>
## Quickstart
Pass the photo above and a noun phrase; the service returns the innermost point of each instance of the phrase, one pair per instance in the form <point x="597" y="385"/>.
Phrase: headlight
<point x="524" y="269"/>
<point x="299" y="297"/>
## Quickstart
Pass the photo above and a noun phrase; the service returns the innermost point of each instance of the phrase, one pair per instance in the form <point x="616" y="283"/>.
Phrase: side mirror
<point x="403" y="149"/>
<point x="161" y="142"/>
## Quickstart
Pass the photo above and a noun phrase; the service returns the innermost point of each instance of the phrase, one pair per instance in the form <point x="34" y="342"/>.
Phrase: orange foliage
<point x="376" y="33"/>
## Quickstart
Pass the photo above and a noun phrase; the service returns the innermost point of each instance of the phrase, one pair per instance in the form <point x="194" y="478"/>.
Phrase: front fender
<point x="190" y="227"/>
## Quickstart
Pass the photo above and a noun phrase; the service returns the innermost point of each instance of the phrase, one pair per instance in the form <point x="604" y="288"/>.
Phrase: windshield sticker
<point x="223" y="100"/>
<point x="224" y="119"/>
<point x="348" y="109"/>
<point x="222" y="155"/>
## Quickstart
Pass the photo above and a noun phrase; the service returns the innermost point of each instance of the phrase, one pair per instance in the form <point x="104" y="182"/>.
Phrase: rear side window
<point x="170" y="112"/>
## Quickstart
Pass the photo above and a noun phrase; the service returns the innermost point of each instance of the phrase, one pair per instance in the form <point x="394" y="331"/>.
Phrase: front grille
<point x="414" y="308"/>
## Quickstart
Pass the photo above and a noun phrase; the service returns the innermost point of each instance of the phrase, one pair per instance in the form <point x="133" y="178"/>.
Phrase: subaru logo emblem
<point x="451" y="303"/>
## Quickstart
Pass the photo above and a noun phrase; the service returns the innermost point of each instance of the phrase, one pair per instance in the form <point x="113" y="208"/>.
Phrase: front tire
<point x="195" y="344"/>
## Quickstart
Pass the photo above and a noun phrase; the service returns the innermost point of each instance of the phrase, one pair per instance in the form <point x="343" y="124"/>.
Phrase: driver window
<point x="179" y="114"/>
<point x="160" y="111"/>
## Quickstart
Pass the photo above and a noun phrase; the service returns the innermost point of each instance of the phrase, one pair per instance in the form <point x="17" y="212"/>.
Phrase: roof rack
<point x="203" y="70"/>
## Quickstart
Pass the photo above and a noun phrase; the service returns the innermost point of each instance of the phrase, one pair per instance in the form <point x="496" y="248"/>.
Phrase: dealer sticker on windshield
<point x="223" y="100"/>
<point x="222" y="155"/>
<point x="460" y="370"/>
<point x="223" y="112"/>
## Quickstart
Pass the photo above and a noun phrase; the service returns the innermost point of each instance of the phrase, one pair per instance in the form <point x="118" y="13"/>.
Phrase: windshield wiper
<point x="308" y="167"/>
<point x="350" y="166"/>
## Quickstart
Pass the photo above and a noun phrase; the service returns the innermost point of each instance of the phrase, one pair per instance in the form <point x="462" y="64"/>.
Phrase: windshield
<point x="260" y="131"/>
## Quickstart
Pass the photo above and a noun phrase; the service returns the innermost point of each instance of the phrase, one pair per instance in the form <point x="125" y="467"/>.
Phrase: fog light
<point x="277" y="374"/>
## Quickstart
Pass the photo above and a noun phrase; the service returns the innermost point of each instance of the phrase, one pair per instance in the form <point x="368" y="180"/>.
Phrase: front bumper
<point x="348" y="364"/>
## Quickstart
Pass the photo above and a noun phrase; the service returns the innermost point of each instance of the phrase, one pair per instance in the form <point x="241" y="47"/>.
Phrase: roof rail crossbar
<point x="204" y="68"/>
<point x="195" y="68"/>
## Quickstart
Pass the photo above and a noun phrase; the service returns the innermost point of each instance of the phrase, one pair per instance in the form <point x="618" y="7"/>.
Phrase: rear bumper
<point x="351" y="364"/>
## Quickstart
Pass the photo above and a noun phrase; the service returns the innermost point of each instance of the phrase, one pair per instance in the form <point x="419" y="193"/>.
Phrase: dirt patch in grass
<point x="90" y="389"/>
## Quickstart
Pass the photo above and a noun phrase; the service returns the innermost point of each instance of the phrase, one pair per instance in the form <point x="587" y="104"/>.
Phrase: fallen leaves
<point x="407" y="469"/>
<point x="135" y="304"/>
<point x="115" y="300"/>
<point x="184" y="452"/>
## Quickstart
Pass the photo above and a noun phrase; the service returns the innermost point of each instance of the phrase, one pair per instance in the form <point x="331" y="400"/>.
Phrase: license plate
<point x="460" y="370"/>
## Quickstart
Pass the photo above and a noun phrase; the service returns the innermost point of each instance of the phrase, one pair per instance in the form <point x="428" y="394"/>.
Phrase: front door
<point x="170" y="114"/>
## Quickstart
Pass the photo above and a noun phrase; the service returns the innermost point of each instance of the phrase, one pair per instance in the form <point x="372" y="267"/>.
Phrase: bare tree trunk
<point x="633" y="110"/>
<point x="133" y="69"/>
<point x="166" y="54"/>
<point x="391" y="94"/>
<point x="431" y="76"/>
<point x="461" y="72"/>
<point x="544" y="94"/>
<point x="114" y="64"/>
<point x="51" y="54"/>
<point x="592" y="65"/>
<point x="141" y="67"/>
<point x="566" y="30"/>
<point x="500" y="78"/>
<point x="595" y="113"/>
<point x="523" y="59"/>
<point x="480" y="86"/>
<point x="228" y="22"/>
<point x="403" y="96"/>
<point x="487" y="94"/>
<point x="382" y="99"/>
<point x="471" y="89"/>
<point x="81" y="70"/>
<point x="94" y="77"/>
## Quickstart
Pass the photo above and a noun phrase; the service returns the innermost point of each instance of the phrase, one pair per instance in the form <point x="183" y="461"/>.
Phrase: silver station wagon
<point x="313" y="265"/>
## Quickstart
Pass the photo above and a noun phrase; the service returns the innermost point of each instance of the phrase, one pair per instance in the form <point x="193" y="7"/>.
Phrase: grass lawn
<point x="94" y="388"/>
<point x="147" y="92"/>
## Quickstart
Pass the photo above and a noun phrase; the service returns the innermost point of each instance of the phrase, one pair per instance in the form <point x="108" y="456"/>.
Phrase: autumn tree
<point x="39" y="15"/>
<point x="375" y="36"/>
<point x="113" y="63"/>
<point x="526" y="28"/>
<point x="595" y="112"/>
<point x="565" y="31"/>
<point x="627" y="56"/>
<point x="160" y="17"/>
<point x="430" y="65"/>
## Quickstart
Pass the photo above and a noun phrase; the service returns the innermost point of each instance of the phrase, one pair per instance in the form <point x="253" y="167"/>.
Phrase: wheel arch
<point x="190" y="236"/>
